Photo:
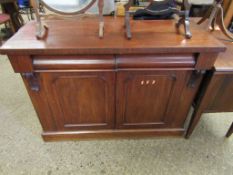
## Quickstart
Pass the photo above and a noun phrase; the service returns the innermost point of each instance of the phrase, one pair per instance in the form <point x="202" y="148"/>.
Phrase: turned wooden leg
<point x="212" y="18"/>
<point x="127" y="19"/>
<point x="185" y="20"/>
<point x="216" y="15"/>
<point x="41" y="31"/>
<point x="213" y="24"/>
<point x="188" y="34"/>
<point x="186" y="24"/>
<point x="186" y="5"/>
<point x="206" y="16"/>
<point x="230" y="131"/>
<point x="210" y="15"/>
<point x="101" y="18"/>
<point x="127" y="25"/>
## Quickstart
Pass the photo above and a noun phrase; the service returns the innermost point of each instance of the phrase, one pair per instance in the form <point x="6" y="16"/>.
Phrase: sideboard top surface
<point x="80" y="36"/>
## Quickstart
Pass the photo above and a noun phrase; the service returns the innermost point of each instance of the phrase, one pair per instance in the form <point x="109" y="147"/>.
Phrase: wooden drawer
<point x="101" y="62"/>
<point x="109" y="62"/>
<point x="73" y="62"/>
<point x="156" y="61"/>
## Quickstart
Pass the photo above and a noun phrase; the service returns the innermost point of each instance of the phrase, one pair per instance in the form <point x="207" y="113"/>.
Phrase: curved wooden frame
<point x="183" y="14"/>
<point x="42" y="29"/>
<point x="66" y="13"/>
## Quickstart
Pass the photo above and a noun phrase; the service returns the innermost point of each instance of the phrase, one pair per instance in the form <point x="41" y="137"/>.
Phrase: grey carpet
<point x="22" y="151"/>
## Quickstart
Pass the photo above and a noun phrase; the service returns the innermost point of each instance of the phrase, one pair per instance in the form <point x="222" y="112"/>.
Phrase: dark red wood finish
<point x="151" y="99"/>
<point x="84" y="87"/>
<point x="80" y="37"/>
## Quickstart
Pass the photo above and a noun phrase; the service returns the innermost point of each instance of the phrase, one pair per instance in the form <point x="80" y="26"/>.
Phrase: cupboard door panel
<point x="148" y="99"/>
<point x="81" y="100"/>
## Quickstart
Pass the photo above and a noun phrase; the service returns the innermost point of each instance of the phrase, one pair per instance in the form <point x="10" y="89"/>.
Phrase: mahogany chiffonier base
<point x="85" y="87"/>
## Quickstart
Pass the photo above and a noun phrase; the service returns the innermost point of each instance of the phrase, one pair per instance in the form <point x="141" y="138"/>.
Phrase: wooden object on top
<point x="215" y="14"/>
<point x="169" y="7"/>
<point x="84" y="87"/>
<point x="42" y="30"/>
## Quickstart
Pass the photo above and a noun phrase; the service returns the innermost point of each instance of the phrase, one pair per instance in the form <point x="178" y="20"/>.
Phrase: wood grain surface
<point x="80" y="37"/>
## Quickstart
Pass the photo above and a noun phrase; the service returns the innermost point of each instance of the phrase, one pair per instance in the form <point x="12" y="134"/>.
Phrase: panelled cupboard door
<point x="81" y="101"/>
<point x="149" y="99"/>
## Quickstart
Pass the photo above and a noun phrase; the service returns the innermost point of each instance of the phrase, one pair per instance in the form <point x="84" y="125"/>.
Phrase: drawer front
<point x="156" y="61"/>
<point x="100" y="62"/>
<point x="83" y="62"/>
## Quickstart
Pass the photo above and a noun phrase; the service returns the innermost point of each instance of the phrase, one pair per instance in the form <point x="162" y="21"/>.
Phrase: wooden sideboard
<point x="85" y="87"/>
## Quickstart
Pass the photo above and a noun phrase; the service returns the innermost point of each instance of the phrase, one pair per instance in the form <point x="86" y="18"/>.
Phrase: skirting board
<point x="106" y="134"/>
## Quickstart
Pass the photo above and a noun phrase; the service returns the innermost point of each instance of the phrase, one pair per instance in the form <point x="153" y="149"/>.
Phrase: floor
<point x="22" y="151"/>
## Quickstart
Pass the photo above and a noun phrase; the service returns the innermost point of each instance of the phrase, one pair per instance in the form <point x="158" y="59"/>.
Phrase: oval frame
<point x="67" y="13"/>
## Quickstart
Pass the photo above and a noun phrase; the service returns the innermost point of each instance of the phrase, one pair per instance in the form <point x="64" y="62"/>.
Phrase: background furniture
<point x="216" y="94"/>
<point x="10" y="7"/>
<point x="82" y="86"/>
<point x="25" y="7"/>
<point x="5" y="19"/>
